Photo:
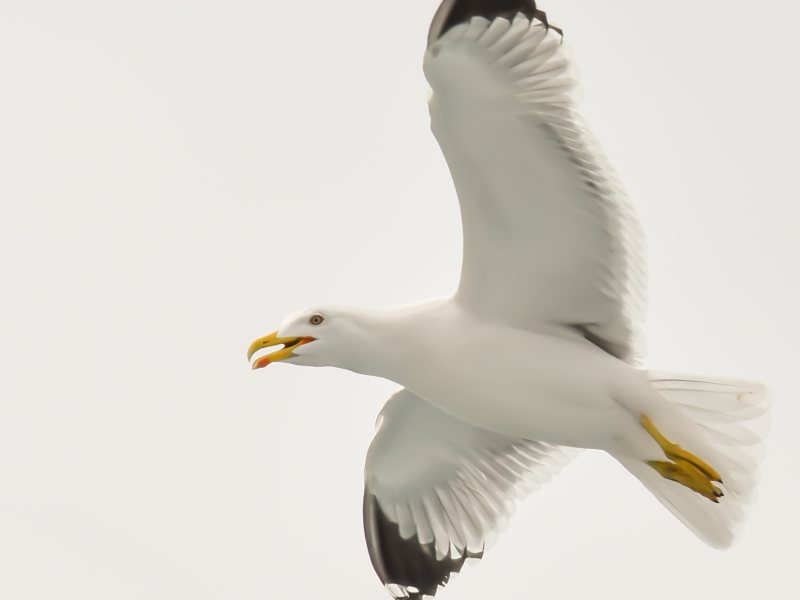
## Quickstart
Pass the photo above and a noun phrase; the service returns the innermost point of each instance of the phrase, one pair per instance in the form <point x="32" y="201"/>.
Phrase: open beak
<point x="288" y="343"/>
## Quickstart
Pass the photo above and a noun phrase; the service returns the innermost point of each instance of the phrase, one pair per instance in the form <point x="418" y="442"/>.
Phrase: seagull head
<point x="317" y="337"/>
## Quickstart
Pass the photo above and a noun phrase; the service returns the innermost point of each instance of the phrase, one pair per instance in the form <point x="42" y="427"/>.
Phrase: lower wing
<point x="438" y="490"/>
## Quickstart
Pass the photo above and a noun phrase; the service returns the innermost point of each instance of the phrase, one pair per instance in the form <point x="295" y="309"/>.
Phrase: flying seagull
<point x="535" y="355"/>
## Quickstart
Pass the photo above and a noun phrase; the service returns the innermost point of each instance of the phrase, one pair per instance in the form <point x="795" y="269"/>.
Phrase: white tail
<point x="733" y="418"/>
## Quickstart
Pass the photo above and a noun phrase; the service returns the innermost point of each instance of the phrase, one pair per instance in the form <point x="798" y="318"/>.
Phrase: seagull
<point x="536" y="355"/>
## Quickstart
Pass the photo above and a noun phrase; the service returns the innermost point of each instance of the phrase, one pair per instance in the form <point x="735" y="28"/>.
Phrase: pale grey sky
<point x="176" y="176"/>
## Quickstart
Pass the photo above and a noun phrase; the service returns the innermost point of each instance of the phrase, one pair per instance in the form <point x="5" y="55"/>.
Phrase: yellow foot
<point x="687" y="474"/>
<point x="686" y="468"/>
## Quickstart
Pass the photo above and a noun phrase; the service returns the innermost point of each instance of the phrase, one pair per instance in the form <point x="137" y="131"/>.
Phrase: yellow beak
<point x="288" y="343"/>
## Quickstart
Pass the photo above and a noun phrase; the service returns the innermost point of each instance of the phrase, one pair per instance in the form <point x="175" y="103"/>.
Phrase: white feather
<point x="449" y="482"/>
<point x="732" y="417"/>
<point x="549" y="235"/>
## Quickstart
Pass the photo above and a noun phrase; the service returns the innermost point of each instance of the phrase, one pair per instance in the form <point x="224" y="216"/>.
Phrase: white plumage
<point x="549" y="235"/>
<point x="447" y="482"/>
<point x="534" y="355"/>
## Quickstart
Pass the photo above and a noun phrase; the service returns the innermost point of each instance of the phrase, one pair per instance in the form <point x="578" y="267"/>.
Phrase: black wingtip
<point x="455" y="12"/>
<point x="406" y="564"/>
<point x="542" y="16"/>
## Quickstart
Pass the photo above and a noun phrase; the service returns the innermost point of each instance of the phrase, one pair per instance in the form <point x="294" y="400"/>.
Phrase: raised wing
<point x="549" y="235"/>
<point x="437" y="490"/>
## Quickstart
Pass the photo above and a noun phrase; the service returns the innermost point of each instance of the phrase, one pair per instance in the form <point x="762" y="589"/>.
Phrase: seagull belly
<point x="528" y="385"/>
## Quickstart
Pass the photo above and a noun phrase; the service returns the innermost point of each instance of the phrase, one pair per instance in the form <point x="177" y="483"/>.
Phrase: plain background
<point x="177" y="175"/>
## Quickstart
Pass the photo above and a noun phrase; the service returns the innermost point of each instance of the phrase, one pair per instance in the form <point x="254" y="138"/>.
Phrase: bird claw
<point x="688" y="475"/>
<point x="683" y="466"/>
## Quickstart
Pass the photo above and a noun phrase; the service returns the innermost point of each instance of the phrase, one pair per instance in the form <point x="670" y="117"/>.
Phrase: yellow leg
<point x="685" y="468"/>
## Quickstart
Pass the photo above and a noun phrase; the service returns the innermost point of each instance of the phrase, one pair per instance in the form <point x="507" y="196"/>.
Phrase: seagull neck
<point x="391" y="341"/>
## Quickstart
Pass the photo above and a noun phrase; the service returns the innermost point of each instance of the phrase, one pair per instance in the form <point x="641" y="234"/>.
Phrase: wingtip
<point x="455" y="12"/>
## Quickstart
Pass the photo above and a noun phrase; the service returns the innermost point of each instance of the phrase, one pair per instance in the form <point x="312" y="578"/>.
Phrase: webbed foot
<point x="683" y="466"/>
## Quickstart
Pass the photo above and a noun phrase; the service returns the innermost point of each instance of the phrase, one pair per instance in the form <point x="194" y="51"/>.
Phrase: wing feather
<point x="550" y="237"/>
<point x="438" y="491"/>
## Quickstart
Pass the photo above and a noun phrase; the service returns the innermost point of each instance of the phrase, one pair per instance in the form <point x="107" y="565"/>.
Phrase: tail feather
<point x="733" y="418"/>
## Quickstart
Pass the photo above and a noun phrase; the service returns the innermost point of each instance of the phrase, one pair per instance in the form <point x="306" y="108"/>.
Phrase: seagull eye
<point x="316" y="319"/>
